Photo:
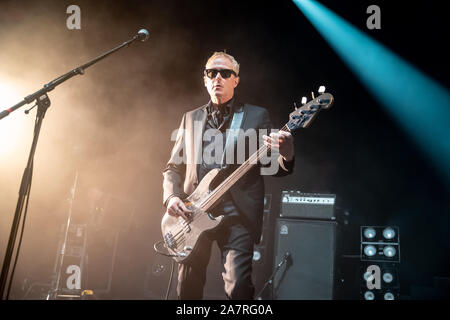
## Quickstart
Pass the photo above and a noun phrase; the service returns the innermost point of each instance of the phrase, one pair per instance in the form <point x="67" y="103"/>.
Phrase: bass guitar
<point x="182" y="238"/>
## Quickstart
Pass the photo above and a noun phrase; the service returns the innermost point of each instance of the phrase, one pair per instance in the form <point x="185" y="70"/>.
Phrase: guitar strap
<point x="232" y="132"/>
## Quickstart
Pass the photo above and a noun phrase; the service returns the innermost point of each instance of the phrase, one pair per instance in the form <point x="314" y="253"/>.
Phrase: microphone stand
<point x="43" y="103"/>
<point x="270" y="281"/>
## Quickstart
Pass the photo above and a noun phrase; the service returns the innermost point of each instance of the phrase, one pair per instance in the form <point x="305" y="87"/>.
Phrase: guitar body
<point x="183" y="238"/>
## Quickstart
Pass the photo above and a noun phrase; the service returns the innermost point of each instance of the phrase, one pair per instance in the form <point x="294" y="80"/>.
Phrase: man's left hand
<point x="283" y="142"/>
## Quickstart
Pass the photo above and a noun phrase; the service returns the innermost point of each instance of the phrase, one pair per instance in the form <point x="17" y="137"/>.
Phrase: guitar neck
<point x="222" y="188"/>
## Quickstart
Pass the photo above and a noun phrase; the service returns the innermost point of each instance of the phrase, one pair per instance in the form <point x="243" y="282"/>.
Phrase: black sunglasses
<point x="224" y="73"/>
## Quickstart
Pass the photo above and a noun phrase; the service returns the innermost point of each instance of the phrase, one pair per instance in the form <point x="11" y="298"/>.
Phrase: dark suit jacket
<point x="247" y="193"/>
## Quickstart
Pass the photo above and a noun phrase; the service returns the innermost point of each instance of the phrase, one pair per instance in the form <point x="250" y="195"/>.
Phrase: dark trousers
<point x="236" y="246"/>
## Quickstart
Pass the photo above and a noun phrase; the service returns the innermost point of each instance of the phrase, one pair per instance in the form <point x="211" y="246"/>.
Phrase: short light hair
<point x="218" y="54"/>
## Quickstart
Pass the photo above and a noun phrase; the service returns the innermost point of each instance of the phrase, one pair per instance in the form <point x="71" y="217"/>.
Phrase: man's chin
<point x="218" y="95"/>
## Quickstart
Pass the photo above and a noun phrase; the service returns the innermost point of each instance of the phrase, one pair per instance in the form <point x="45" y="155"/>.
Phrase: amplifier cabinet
<point x="308" y="273"/>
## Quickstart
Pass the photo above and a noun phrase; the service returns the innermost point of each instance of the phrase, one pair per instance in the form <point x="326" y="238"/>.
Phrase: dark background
<point x="354" y="150"/>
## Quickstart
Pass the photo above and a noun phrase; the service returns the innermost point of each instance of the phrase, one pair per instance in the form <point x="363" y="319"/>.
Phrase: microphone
<point x="288" y="258"/>
<point x="143" y="35"/>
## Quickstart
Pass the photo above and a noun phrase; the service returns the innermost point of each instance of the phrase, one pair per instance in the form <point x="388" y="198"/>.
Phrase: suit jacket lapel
<point x="198" y="126"/>
<point x="242" y="108"/>
<point x="199" y="119"/>
<point x="237" y="109"/>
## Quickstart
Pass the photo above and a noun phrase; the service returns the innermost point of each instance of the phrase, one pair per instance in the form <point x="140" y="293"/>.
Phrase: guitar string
<point x="227" y="182"/>
<point x="179" y="236"/>
<point x="251" y="161"/>
<point x="213" y="196"/>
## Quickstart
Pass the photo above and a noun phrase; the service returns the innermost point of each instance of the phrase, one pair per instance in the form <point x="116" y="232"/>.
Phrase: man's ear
<point x="236" y="81"/>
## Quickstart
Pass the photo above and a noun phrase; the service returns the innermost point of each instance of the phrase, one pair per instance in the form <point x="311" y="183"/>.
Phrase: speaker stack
<point x="305" y="246"/>
<point x="380" y="260"/>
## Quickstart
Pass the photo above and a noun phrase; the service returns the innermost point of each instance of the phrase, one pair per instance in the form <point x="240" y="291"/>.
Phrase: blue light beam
<point x="419" y="104"/>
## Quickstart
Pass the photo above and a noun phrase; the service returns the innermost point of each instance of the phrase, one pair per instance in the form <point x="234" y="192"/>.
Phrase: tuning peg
<point x="321" y="89"/>
<point x="312" y="95"/>
<point x="295" y="106"/>
<point x="304" y="99"/>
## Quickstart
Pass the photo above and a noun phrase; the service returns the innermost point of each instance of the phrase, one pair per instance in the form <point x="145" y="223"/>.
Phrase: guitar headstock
<point x="304" y="115"/>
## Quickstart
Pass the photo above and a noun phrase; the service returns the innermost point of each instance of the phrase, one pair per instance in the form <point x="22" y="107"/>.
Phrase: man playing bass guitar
<point x="242" y="205"/>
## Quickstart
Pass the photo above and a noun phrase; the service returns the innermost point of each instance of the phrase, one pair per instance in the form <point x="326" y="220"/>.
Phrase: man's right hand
<point x="176" y="207"/>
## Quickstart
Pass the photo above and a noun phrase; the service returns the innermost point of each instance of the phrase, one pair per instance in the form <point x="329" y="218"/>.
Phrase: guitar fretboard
<point x="223" y="187"/>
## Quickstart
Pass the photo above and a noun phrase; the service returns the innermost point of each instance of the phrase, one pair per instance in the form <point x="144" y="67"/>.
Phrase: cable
<point x="170" y="280"/>
<point x="172" y="268"/>
<point x="162" y="253"/>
